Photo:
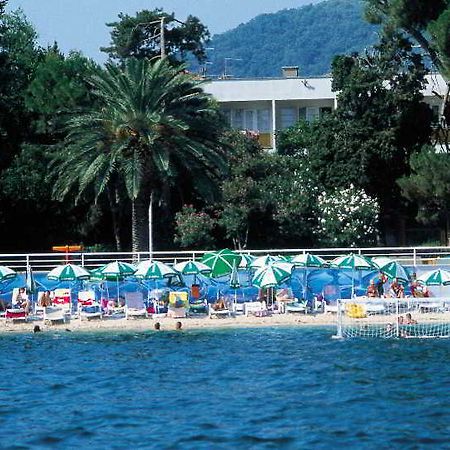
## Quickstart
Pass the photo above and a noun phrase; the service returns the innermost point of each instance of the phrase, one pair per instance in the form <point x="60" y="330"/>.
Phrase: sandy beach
<point x="122" y="324"/>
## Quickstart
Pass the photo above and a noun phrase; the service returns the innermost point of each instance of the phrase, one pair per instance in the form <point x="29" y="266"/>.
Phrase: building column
<point x="274" y="125"/>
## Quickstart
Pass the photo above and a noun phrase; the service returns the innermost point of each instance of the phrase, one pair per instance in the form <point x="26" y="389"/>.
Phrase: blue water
<point x="253" y="388"/>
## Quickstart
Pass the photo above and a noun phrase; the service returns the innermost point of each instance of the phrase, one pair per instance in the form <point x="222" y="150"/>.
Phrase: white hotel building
<point x="268" y="105"/>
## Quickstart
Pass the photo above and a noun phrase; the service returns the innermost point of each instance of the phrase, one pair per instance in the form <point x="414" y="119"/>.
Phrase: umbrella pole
<point x="353" y="282"/>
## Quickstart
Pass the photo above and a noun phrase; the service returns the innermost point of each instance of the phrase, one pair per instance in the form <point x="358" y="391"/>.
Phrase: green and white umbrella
<point x="354" y="263"/>
<point x="221" y="263"/>
<point x="117" y="269"/>
<point x="265" y="260"/>
<point x="192" y="268"/>
<point x="245" y="260"/>
<point x="68" y="272"/>
<point x="272" y="275"/>
<point x="391" y="268"/>
<point x="6" y="273"/>
<point x="154" y="270"/>
<point x="308" y="260"/>
<point x="437" y="277"/>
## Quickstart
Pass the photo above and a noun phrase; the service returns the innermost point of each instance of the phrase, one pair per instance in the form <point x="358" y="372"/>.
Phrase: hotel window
<point x="263" y="120"/>
<point x="250" y="120"/>
<point x="309" y="114"/>
<point x="227" y="114"/>
<point x="288" y="117"/>
<point x="238" y="119"/>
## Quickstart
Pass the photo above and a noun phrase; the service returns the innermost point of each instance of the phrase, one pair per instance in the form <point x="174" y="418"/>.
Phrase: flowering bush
<point x="193" y="229"/>
<point x="347" y="217"/>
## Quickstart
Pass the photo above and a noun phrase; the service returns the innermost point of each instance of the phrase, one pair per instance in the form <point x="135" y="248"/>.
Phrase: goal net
<point x="393" y="318"/>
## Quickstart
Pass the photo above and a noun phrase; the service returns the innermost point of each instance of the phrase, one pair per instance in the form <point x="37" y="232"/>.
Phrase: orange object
<point x="67" y="248"/>
<point x="195" y="291"/>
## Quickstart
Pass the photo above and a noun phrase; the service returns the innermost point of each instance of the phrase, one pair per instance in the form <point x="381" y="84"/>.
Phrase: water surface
<point x="246" y="388"/>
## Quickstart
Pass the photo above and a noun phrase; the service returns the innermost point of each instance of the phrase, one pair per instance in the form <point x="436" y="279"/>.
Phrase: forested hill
<point x="307" y="37"/>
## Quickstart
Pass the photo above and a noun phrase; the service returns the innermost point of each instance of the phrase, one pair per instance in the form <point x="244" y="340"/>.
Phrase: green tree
<point x="427" y="23"/>
<point x="148" y="119"/>
<point x="58" y="89"/>
<point x="380" y="121"/>
<point x="194" y="229"/>
<point x="140" y="36"/>
<point x="429" y="186"/>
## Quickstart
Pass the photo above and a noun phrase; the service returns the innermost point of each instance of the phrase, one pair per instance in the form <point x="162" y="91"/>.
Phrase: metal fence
<point x="408" y="256"/>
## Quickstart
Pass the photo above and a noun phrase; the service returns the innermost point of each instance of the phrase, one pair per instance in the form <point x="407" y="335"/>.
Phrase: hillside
<point x="307" y="37"/>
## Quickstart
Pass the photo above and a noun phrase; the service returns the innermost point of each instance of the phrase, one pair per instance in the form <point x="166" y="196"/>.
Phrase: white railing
<point x="408" y="256"/>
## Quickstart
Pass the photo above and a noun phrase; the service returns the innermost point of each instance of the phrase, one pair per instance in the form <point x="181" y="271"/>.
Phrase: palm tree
<point x="148" y="120"/>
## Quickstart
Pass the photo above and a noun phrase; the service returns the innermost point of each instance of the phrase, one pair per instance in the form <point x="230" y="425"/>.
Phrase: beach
<point x="122" y="324"/>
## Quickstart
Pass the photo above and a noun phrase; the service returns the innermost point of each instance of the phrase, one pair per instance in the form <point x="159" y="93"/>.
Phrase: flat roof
<point x="312" y="88"/>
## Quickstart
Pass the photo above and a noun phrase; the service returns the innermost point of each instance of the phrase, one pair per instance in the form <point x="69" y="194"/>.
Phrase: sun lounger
<point x="219" y="312"/>
<point x="92" y="311"/>
<point x="178" y="304"/>
<point x="63" y="299"/>
<point x="15" y="315"/>
<point x="296" y="307"/>
<point x="255" y="309"/>
<point x="134" y="305"/>
<point x="53" y="314"/>
<point x="198" y="307"/>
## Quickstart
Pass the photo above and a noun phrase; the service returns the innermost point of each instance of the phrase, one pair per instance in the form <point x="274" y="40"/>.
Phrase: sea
<point x="253" y="388"/>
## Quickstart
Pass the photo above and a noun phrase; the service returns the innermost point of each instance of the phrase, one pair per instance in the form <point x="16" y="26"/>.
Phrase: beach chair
<point x="134" y="305"/>
<point x="54" y="314"/>
<point x="178" y="304"/>
<point x="38" y="309"/>
<point x="298" y="306"/>
<point x="14" y="315"/>
<point x="63" y="299"/>
<point x="198" y="307"/>
<point x="258" y="309"/>
<point x="91" y="311"/>
<point x="219" y="312"/>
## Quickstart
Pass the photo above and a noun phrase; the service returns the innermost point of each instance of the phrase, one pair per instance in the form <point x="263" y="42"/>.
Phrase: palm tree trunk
<point x="139" y="223"/>
<point x="115" y="216"/>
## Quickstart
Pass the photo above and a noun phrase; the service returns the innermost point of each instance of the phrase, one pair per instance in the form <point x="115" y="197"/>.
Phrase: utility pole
<point x="163" y="38"/>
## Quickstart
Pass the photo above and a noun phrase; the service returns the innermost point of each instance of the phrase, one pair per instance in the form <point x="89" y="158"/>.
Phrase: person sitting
<point x="415" y="291"/>
<point x="219" y="305"/>
<point x="21" y="300"/>
<point x="45" y="300"/>
<point x="425" y="292"/>
<point x="372" y="290"/>
<point x="409" y="320"/>
<point x="396" y="290"/>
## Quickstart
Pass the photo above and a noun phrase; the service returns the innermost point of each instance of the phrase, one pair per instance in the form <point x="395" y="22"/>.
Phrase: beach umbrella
<point x="6" y="273"/>
<point x="354" y="263"/>
<point x="192" y="268"/>
<point x="391" y="268"/>
<point x="306" y="261"/>
<point x="221" y="263"/>
<point x="154" y="270"/>
<point x="272" y="275"/>
<point x="436" y="277"/>
<point x="235" y="284"/>
<point x="30" y="282"/>
<point x="68" y="272"/>
<point x="245" y="260"/>
<point x="262" y="261"/>
<point x="116" y="270"/>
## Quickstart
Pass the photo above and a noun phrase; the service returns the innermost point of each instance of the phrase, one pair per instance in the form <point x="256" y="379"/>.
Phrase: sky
<point x="80" y="24"/>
